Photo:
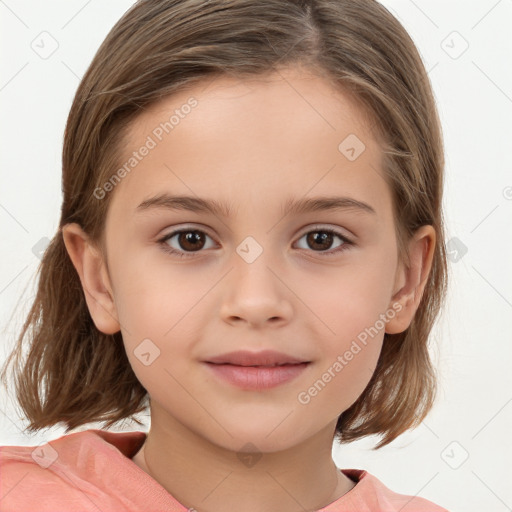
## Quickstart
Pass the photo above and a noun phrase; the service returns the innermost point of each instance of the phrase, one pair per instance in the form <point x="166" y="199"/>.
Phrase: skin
<point x="252" y="144"/>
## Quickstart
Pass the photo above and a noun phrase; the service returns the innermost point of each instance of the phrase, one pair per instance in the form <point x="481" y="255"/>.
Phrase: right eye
<point x="188" y="241"/>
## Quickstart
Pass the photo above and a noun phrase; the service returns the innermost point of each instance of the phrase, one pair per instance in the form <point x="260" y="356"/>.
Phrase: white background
<point x="472" y="343"/>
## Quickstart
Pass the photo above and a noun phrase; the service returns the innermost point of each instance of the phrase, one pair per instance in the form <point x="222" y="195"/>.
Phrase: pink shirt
<point x="92" y="471"/>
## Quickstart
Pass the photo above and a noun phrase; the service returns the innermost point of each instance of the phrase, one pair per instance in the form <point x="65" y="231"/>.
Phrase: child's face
<point x="253" y="146"/>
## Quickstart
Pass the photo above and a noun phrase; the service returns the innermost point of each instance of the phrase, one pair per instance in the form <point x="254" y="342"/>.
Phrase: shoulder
<point x="26" y="478"/>
<point x="371" y="495"/>
<point x="62" y="474"/>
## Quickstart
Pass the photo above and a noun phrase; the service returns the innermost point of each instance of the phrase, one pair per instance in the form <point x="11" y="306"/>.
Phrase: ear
<point x="91" y="269"/>
<point x="411" y="281"/>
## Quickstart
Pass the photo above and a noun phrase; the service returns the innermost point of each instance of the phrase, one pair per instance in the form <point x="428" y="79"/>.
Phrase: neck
<point x="207" y="477"/>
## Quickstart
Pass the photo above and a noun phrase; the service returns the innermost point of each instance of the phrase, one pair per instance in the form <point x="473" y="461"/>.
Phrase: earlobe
<point x="89" y="264"/>
<point x="413" y="279"/>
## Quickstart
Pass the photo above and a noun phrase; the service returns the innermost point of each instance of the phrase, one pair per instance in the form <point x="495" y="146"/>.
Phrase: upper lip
<point x="262" y="358"/>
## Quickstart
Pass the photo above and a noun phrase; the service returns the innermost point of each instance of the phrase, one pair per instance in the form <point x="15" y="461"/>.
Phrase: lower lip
<point x="257" y="377"/>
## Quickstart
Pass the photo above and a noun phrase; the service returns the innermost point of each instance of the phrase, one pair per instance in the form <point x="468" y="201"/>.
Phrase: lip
<point x="257" y="377"/>
<point x="261" y="358"/>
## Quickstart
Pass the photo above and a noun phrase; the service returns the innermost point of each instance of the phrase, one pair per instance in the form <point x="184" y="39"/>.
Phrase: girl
<point x="251" y="246"/>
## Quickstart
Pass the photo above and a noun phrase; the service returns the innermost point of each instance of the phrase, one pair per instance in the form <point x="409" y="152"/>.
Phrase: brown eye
<point x="187" y="241"/>
<point x="191" y="240"/>
<point x="322" y="240"/>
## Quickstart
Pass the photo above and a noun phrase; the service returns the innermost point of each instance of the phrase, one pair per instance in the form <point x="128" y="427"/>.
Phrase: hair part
<point x="76" y="374"/>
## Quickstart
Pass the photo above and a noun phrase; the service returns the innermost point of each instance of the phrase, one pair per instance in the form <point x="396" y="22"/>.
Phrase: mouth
<point x="260" y="365"/>
<point x="263" y="358"/>
<point x="257" y="377"/>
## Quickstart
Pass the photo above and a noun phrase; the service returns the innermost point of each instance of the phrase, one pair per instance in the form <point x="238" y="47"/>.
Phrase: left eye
<point x="190" y="241"/>
<point x="320" y="238"/>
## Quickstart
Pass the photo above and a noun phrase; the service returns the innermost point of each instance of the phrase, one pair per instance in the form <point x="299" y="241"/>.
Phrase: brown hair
<point x="76" y="374"/>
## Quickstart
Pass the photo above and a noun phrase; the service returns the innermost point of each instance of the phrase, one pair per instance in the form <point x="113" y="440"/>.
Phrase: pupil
<point x="192" y="238"/>
<point x="317" y="237"/>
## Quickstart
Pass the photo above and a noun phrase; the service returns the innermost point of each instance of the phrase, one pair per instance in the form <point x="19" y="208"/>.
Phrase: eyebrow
<point x="291" y="206"/>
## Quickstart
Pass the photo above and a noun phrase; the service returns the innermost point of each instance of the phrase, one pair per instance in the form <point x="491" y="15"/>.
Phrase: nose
<point x="255" y="295"/>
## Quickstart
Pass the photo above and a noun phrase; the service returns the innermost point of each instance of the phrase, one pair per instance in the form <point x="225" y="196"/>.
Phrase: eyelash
<point x="165" y="247"/>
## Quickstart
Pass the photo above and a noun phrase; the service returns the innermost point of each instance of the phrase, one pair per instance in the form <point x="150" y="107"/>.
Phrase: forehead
<point x="290" y="97"/>
<point x="288" y="131"/>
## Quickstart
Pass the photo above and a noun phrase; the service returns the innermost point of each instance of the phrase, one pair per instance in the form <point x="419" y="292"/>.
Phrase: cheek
<point x="152" y="292"/>
<point x="351" y="305"/>
<point x="341" y="380"/>
<point x="158" y="309"/>
<point x="349" y="298"/>
<point x="349" y="344"/>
